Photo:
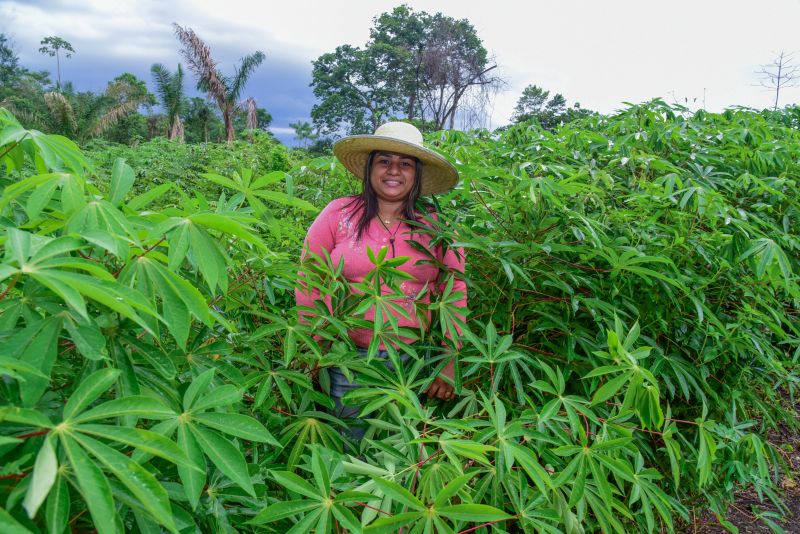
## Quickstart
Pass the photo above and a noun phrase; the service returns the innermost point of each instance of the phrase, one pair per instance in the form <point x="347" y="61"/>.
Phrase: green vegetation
<point x="632" y="334"/>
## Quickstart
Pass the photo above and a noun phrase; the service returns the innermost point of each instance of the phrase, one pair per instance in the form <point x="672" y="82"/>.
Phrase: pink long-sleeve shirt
<point x="334" y="230"/>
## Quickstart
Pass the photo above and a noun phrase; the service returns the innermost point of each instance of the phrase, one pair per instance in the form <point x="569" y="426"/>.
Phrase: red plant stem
<point x="237" y="286"/>
<point x="8" y="287"/>
<point x="632" y="427"/>
<point x="365" y="505"/>
<point x="419" y="458"/>
<point x="33" y="434"/>
<point x="145" y="253"/>
<point x="473" y="529"/>
<point x="12" y="147"/>
<point x="586" y="423"/>
<point x="14" y="476"/>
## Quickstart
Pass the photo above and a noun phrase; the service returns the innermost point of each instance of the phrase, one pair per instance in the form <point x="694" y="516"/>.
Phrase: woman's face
<point x="392" y="175"/>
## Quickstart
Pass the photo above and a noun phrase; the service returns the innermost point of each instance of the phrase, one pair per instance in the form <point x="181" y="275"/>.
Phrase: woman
<point x="395" y="169"/>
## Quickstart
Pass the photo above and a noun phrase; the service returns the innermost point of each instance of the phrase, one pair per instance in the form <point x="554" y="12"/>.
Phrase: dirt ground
<point x="741" y="512"/>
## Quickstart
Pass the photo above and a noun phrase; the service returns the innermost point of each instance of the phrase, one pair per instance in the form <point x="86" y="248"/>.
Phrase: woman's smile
<point x="392" y="175"/>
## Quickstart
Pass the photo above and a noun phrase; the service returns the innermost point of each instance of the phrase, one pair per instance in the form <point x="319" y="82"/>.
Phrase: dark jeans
<point x="356" y="426"/>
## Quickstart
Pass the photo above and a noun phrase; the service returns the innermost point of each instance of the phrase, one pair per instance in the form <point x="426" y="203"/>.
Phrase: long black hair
<point x="365" y="205"/>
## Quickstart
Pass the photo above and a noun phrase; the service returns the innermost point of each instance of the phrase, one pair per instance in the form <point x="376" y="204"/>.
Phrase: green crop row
<point x="632" y="335"/>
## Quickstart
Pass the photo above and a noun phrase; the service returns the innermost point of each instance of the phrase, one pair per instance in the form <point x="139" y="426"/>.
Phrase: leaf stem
<point x="8" y="287"/>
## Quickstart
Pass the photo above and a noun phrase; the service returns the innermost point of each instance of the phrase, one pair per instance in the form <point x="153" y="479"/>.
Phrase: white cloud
<point x="597" y="53"/>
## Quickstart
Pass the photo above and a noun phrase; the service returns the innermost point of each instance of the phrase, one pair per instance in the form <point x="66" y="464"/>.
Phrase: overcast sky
<point x="598" y="53"/>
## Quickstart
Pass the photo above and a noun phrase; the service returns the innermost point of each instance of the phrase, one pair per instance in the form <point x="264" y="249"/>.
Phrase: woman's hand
<point x="442" y="386"/>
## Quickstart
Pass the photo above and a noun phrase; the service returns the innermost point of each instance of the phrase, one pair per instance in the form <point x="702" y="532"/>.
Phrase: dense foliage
<point x="632" y="333"/>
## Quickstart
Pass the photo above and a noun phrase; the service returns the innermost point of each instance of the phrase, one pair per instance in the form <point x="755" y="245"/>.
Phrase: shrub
<point x="631" y="335"/>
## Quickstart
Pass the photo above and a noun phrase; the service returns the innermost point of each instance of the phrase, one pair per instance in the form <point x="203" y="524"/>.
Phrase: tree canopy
<point x="416" y="66"/>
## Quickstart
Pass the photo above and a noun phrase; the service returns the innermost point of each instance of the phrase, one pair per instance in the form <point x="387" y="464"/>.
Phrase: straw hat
<point x="438" y="175"/>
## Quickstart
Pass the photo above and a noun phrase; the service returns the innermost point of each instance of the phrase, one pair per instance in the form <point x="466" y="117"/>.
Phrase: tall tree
<point x="169" y="87"/>
<point x="783" y="72"/>
<point x="357" y="88"/>
<point x="52" y="46"/>
<point x="201" y="121"/>
<point x="224" y="90"/>
<point x="438" y="60"/>
<point x="22" y="90"/>
<point x="415" y="66"/>
<point x="535" y="103"/>
<point x="131" y="125"/>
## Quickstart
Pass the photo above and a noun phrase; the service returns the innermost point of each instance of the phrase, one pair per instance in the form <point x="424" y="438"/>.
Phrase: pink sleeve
<point x="321" y="236"/>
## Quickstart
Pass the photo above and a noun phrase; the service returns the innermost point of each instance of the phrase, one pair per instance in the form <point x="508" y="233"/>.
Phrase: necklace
<point x="392" y="235"/>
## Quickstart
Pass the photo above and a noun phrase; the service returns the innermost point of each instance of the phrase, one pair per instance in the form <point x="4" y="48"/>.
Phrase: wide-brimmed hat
<point x="438" y="175"/>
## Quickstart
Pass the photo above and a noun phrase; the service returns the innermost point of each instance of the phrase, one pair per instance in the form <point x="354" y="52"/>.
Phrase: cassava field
<point x="629" y="360"/>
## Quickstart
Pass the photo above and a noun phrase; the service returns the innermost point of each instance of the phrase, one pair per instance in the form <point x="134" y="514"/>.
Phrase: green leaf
<point x="149" y="196"/>
<point x="88" y="339"/>
<point x="294" y="483"/>
<point x="122" y="178"/>
<point x="346" y="518"/>
<point x="239" y="425"/>
<point x="57" y="508"/>
<point x="283" y="510"/>
<point x="398" y="493"/>
<point x="225" y="456"/>
<point x="9" y="525"/>
<point x="93" y="486"/>
<point x="386" y="525"/>
<point x="137" y="405"/>
<point x="610" y="388"/>
<point x="219" y="396"/>
<point x="479" y="513"/>
<point x="24" y="416"/>
<point x="144" y="440"/>
<point x="140" y="482"/>
<point x="89" y="390"/>
<point x="193" y="479"/>
<point x="44" y="475"/>
<point x="451" y="489"/>
<point x="198" y="384"/>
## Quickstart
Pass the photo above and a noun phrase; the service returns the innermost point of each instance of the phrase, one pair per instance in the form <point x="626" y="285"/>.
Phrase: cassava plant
<point x="631" y="336"/>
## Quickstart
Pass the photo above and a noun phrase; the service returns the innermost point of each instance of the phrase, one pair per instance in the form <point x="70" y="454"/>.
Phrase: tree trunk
<point x="227" y="114"/>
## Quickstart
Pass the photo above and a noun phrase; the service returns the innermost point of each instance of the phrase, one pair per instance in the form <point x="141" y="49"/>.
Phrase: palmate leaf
<point x="179" y="299"/>
<point x="224" y="455"/>
<point x="239" y="425"/>
<point x="36" y="347"/>
<point x="137" y="479"/>
<point x="56" y="152"/>
<point x="93" y="486"/>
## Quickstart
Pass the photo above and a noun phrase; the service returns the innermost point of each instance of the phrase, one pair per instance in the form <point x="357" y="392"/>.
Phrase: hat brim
<point x="438" y="175"/>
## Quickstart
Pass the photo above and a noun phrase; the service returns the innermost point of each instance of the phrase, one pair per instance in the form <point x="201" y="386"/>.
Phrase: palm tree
<point x="169" y="87"/>
<point x="303" y="132"/>
<point x="85" y="115"/>
<point x="224" y="90"/>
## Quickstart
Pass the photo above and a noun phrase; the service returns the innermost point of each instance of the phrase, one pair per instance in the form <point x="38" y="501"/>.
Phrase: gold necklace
<point x="390" y="220"/>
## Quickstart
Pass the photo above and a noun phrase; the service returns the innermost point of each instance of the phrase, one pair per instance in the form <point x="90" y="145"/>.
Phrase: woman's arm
<point x="320" y="238"/>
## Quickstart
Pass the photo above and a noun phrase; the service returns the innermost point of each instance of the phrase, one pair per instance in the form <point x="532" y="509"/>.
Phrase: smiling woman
<point x="395" y="169"/>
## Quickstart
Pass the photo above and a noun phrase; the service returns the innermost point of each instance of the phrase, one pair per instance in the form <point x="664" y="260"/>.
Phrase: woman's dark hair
<point x="365" y="205"/>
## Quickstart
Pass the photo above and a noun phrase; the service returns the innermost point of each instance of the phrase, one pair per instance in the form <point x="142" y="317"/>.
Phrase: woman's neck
<point x="392" y="210"/>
